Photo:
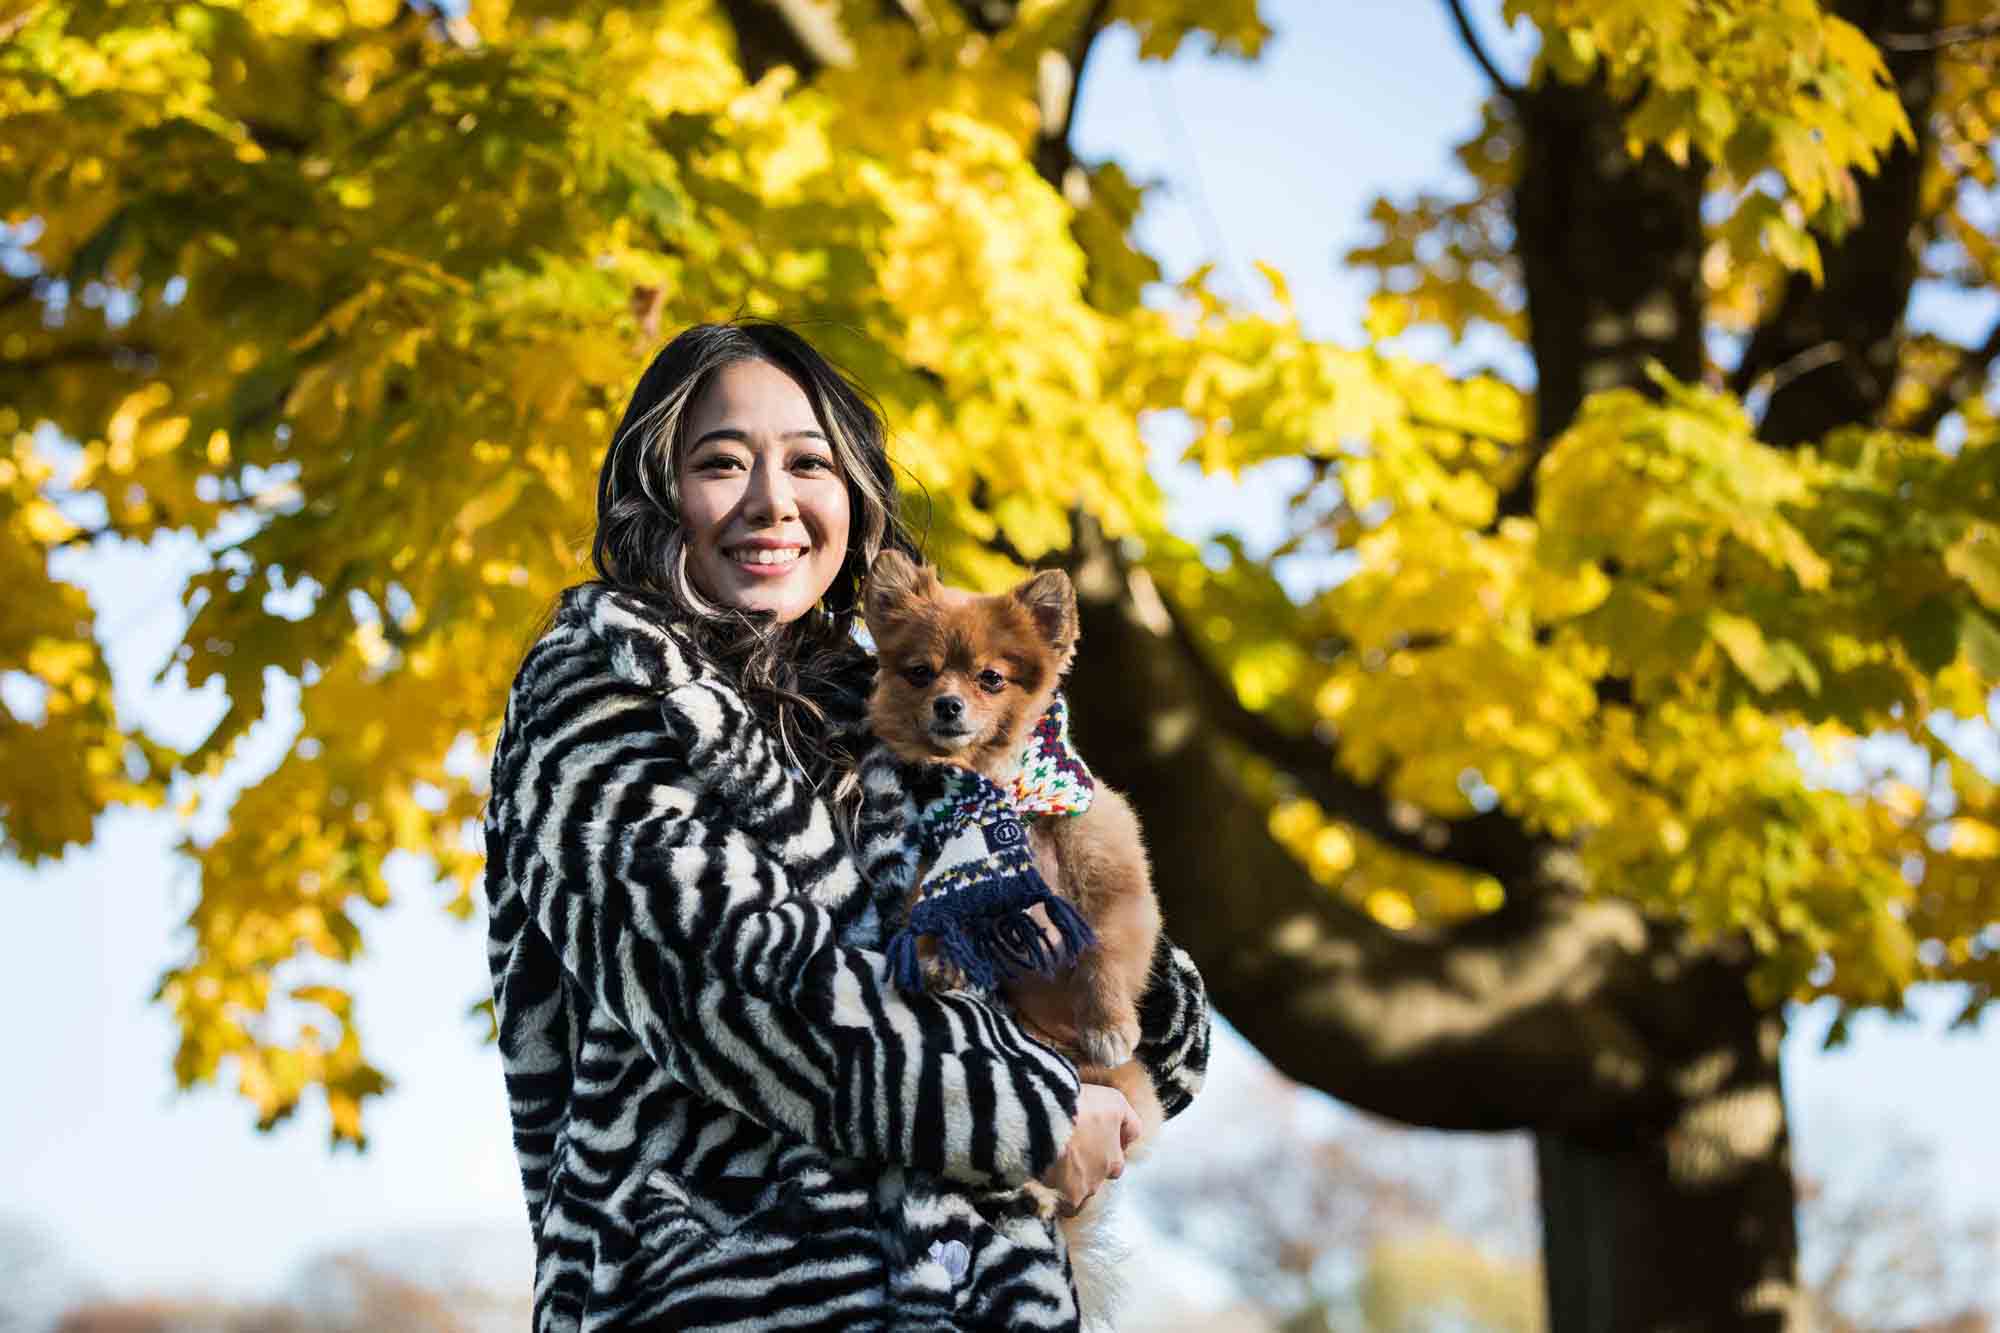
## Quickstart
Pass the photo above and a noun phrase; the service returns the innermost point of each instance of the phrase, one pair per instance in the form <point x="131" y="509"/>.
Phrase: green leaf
<point x="1981" y="641"/>
<point x="1975" y="558"/>
<point x="1930" y="633"/>
<point x="1741" y="638"/>
<point x="97" y="251"/>
<point x="1798" y="663"/>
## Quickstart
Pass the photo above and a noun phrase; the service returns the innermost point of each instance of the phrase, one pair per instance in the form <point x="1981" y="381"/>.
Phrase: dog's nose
<point x="948" y="708"/>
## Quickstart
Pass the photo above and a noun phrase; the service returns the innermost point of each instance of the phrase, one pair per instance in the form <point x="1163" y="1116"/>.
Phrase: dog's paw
<point x="1108" y="1047"/>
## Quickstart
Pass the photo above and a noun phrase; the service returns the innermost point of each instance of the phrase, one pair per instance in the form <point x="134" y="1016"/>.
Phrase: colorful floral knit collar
<point x="1052" y="780"/>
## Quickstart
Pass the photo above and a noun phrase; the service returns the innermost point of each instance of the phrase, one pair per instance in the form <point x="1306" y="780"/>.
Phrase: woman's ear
<point x="1051" y="600"/>
<point x="894" y="580"/>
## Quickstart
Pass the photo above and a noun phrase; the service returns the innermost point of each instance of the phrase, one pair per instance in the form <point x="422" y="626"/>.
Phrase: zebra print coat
<point x="726" y="1116"/>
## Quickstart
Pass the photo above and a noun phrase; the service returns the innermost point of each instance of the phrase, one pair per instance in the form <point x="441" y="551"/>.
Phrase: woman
<point x="725" y="1114"/>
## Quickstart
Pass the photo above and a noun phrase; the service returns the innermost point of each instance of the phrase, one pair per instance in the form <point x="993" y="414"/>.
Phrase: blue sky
<point x="147" y="1189"/>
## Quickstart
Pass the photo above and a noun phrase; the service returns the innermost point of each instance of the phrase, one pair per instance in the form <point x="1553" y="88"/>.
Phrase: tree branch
<point x="1058" y="82"/>
<point x="1778" y="377"/>
<point x="1963" y="383"/>
<point x="119" y="356"/>
<point x="277" y="138"/>
<point x="1868" y="276"/>
<point x="990" y="16"/>
<point x="1478" y="50"/>
<point x="1536" y="1015"/>
<point x="1491" y="843"/>
<point x="23" y="290"/>
<point x="1943" y="37"/>
<point x="804" y="34"/>
<point x="12" y="27"/>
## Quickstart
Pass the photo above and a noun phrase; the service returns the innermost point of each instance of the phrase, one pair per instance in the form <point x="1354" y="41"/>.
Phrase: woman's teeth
<point x="754" y="555"/>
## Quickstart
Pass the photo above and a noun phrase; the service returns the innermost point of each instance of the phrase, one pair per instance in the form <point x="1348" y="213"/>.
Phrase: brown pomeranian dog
<point x="963" y="679"/>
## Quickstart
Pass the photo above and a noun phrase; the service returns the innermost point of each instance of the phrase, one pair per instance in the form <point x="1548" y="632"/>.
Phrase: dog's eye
<point x="920" y="674"/>
<point x="992" y="681"/>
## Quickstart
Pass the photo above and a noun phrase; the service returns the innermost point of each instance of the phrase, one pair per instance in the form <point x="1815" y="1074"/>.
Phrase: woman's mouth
<point x="765" y="561"/>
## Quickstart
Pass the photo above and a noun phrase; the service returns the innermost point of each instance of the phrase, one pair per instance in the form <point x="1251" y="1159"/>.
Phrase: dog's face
<point x="963" y="678"/>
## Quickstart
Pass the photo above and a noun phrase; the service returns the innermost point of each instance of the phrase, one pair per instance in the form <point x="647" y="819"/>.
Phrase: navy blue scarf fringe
<point x="986" y="932"/>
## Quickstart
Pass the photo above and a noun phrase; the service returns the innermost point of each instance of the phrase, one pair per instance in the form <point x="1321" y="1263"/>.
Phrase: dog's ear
<point x="1051" y="600"/>
<point x="894" y="580"/>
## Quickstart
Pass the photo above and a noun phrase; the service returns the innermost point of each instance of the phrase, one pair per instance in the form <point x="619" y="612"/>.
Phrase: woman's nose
<point x="769" y="498"/>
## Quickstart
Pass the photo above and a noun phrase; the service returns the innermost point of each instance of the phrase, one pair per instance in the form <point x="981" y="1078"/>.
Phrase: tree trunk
<point x="1684" y="1223"/>
<point x="1682" y="1219"/>
<point x="1610" y="250"/>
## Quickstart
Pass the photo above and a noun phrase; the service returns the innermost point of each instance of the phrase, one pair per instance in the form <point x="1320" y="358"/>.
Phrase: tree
<point x="1341" y="1222"/>
<point x="1882" y="1251"/>
<point x="1534" y="818"/>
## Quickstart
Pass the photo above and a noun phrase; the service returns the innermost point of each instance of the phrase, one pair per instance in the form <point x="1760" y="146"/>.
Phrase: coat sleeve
<point x="1174" y="1028"/>
<point x="696" y="915"/>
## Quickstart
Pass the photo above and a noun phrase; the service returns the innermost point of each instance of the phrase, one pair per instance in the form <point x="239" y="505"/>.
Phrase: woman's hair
<point x="640" y="545"/>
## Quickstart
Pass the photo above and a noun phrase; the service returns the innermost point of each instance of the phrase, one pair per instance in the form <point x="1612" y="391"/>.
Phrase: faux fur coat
<point x="726" y="1116"/>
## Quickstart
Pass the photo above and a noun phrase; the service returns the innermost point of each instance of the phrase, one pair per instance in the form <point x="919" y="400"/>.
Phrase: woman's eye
<point x="919" y="674"/>
<point x="992" y="681"/>
<point x="815" y="463"/>
<point x="718" y="463"/>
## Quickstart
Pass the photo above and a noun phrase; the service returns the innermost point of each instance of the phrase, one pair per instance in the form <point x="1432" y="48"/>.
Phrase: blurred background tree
<point x="1565" y="738"/>
<point x="1879" y="1253"/>
<point x="1324" y="1221"/>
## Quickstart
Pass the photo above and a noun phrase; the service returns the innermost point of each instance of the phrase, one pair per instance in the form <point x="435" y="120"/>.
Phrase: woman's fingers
<point x="1105" y="1123"/>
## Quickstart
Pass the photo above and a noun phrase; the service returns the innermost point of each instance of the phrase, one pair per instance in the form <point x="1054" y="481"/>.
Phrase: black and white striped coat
<point x="726" y="1116"/>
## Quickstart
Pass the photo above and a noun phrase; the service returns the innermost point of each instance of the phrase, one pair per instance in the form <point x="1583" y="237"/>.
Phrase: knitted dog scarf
<point x="975" y="902"/>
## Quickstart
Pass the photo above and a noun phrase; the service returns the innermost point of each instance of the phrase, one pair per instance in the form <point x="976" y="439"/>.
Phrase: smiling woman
<point x="764" y="509"/>
<point x="726" y="1114"/>
<point x="746" y="488"/>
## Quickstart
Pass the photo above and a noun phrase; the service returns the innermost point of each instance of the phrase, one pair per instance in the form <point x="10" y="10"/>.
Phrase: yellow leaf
<point x="1974" y="839"/>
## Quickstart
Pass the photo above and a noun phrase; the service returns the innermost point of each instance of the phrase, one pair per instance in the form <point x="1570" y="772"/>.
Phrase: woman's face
<point x="763" y="503"/>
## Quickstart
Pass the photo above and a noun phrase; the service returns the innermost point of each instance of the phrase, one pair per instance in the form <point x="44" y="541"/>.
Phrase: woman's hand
<point x="1095" y="1153"/>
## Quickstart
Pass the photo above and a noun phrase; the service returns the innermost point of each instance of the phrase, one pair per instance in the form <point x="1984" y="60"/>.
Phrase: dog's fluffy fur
<point x="962" y="680"/>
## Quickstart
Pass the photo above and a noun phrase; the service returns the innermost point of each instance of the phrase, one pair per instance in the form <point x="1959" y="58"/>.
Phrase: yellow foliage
<point x="1748" y="87"/>
<point x="415" y="268"/>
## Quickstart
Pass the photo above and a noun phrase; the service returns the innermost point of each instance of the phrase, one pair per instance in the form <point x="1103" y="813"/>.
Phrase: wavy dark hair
<point x="786" y="671"/>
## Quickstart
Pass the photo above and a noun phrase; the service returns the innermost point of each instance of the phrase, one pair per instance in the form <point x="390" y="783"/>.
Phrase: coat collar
<point x="638" y="644"/>
<point x="644" y="648"/>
